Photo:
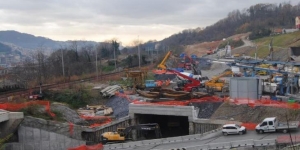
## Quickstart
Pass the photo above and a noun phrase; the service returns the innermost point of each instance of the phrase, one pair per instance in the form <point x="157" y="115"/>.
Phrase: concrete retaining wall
<point x="79" y="132"/>
<point x="188" y="111"/>
<point x="37" y="139"/>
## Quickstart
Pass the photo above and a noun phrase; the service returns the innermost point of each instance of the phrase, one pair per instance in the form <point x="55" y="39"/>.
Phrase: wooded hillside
<point x="259" y="19"/>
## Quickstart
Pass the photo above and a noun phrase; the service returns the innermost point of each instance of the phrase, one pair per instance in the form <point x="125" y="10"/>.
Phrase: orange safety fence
<point x="97" y="120"/>
<point x="174" y="102"/>
<point x="268" y="103"/>
<point x="86" y="147"/>
<point x="249" y="125"/>
<point x="19" y="106"/>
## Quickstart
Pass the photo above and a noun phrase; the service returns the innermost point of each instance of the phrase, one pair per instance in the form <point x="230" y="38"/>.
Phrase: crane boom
<point x="192" y="83"/>
<point x="162" y="64"/>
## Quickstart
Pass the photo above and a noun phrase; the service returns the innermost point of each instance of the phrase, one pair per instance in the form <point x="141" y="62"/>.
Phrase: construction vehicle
<point x="273" y="125"/>
<point x="186" y="62"/>
<point x="123" y="134"/>
<point x="236" y="55"/>
<point x="217" y="85"/>
<point x="162" y="64"/>
<point x="186" y="83"/>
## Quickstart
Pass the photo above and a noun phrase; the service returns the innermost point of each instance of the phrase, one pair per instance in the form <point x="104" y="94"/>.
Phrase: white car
<point x="233" y="129"/>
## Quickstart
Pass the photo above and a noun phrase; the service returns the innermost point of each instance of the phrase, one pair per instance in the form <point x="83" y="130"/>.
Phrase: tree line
<point x="64" y="63"/>
<point x="260" y="19"/>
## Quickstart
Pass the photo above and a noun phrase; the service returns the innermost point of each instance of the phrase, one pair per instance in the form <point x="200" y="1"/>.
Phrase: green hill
<point x="281" y="43"/>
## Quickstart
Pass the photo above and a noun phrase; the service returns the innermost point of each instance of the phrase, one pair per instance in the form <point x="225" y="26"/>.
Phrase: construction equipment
<point x="186" y="83"/>
<point x="123" y="134"/>
<point x="162" y="64"/>
<point x="216" y="84"/>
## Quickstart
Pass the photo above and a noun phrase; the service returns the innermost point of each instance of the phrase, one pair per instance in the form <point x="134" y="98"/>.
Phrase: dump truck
<point x="272" y="124"/>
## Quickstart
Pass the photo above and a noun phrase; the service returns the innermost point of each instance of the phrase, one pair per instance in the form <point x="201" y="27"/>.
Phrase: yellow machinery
<point x="263" y="72"/>
<point x="123" y="134"/>
<point x="136" y="77"/>
<point x="236" y="55"/>
<point x="215" y="83"/>
<point x="162" y="64"/>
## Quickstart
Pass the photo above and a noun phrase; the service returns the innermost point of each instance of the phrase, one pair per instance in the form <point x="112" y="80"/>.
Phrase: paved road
<point x="213" y="138"/>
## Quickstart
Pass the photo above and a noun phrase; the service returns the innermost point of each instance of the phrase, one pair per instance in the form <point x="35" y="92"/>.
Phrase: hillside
<point x="31" y="42"/>
<point x="281" y="44"/>
<point x="4" y="48"/>
<point x="26" y="40"/>
<point x="260" y="19"/>
<point x="200" y="49"/>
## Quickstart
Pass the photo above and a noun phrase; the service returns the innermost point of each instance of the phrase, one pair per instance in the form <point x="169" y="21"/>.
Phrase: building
<point x="297" y="20"/>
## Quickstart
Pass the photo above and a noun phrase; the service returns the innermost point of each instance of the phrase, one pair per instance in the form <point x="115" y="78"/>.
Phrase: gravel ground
<point x="68" y="114"/>
<point x="119" y="106"/>
<point x="206" y="110"/>
<point x="245" y="113"/>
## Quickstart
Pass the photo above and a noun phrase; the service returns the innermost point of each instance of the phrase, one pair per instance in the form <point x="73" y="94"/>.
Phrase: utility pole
<point x="255" y="52"/>
<point x="97" y="62"/>
<point x="139" y="52"/>
<point x="151" y="55"/>
<point x="62" y="63"/>
<point x="271" y="49"/>
<point x="115" y="56"/>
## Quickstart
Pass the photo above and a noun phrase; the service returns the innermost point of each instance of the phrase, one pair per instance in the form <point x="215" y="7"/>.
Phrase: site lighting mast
<point x="139" y="53"/>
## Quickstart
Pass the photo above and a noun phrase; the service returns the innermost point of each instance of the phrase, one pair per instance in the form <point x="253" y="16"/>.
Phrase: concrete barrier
<point x="172" y="140"/>
<point x="152" y="142"/>
<point x="226" y="145"/>
<point x="242" y="143"/>
<point x="199" y="147"/>
<point x="115" y="146"/>
<point x="264" y="142"/>
<point x="132" y="144"/>
<point x="190" y="137"/>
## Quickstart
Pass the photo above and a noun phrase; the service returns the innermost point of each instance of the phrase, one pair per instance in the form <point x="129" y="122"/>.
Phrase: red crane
<point x="188" y="84"/>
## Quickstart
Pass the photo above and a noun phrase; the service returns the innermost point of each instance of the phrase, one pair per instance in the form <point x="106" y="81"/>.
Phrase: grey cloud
<point x="86" y="16"/>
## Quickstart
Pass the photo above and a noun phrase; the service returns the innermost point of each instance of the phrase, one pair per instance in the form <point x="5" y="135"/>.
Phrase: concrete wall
<point x="37" y="139"/>
<point x="188" y="111"/>
<point x="79" y="132"/>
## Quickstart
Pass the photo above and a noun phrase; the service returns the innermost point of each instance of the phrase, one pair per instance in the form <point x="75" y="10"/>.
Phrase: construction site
<point x="184" y="106"/>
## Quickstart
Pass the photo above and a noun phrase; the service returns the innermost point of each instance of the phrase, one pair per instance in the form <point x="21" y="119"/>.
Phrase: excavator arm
<point x="162" y="64"/>
<point x="226" y="73"/>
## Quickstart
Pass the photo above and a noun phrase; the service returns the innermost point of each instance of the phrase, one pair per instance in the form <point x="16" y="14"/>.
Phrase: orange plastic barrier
<point x="249" y="126"/>
<point x="19" y="106"/>
<point x="99" y="120"/>
<point x="85" y="147"/>
<point x="268" y="103"/>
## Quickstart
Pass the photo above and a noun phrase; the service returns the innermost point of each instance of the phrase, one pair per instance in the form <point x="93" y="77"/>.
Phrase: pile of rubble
<point x="69" y="114"/>
<point x="97" y="110"/>
<point x="206" y="110"/>
<point x="119" y="105"/>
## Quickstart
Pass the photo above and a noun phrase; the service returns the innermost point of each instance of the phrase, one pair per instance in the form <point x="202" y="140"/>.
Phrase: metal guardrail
<point x="157" y="141"/>
<point x="233" y="144"/>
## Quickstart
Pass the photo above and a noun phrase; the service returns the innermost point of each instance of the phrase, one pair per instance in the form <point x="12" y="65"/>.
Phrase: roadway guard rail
<point x="157" y="141"/>
<point x="229" y="145"/>
<point x="224" y="145"/>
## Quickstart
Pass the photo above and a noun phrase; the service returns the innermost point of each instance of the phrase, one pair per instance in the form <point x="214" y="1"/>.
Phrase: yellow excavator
<point x="162" y="64"/>
<point x="122" y="134"/>
<point x="215" y="84"/>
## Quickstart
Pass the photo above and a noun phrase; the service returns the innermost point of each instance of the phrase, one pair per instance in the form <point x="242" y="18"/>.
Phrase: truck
<point x="272" y="124"/>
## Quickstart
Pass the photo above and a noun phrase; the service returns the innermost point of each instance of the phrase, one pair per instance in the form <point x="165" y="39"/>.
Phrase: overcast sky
<point x="126" y="20"/>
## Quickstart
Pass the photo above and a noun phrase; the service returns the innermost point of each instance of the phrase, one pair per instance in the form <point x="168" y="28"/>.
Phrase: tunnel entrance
<point x="170" y="126"/>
